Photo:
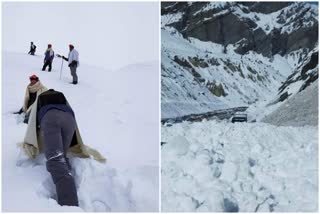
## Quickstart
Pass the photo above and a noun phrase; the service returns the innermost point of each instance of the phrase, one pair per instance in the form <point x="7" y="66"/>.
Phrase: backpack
<point x="51" y="97"/>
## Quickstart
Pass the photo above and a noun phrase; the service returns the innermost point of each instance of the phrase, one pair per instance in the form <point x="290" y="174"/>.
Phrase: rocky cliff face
<point x="268" y="28"/>
<point x="305" y="74"/>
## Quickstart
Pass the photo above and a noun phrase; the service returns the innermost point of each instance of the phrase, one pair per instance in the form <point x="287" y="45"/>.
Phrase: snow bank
<point x="246" y="167"/>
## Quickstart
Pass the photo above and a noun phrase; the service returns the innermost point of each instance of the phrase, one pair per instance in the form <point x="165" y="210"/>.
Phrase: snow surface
<point x="215" y="166"/>
<point x="299" y="110"/>
<point x="117" y="114"/>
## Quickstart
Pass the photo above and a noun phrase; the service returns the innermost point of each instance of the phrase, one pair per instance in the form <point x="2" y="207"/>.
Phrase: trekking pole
<point x="61" y="67"/>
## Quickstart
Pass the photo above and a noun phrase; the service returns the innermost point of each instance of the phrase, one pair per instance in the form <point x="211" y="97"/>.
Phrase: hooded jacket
<point x="32" y="144"/>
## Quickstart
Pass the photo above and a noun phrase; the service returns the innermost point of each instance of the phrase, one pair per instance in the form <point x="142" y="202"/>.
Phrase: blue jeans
<point x="57" y="129"/>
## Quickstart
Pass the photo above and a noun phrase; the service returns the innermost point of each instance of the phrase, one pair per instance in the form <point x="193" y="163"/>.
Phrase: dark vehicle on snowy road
<point x="239" y="118"/>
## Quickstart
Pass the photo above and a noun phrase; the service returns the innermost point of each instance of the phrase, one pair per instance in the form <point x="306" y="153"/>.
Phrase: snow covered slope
<point x="247" y="167"/>
<point x="117" y="113"/>
<point x="305" y="74"/>
<point x="299" y="110"/>
<point x="199" y="76"/>
<point x="296" y="103"/>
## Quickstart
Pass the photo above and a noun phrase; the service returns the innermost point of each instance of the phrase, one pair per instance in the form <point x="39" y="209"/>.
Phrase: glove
<point x="58" y="55"/>
<point x="18" y="112"/>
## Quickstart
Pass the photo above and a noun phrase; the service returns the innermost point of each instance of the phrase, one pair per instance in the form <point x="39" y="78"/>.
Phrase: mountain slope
<point x="299" y="110"/>
<point x="219" y="55"/>
<point x="200" y="74"/>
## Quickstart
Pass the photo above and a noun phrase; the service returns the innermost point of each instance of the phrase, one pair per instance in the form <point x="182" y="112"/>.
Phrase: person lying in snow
<point x="52" y="129"/>
<point x="33" y="90"/>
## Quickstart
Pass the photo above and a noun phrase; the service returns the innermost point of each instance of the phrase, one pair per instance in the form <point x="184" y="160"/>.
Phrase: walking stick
<point x="61" y="67"/>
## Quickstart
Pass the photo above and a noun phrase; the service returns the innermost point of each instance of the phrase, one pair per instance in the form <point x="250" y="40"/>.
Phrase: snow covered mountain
<point x="264" y="27"/>
<point x="219" y="55"/>
<point x="113" y="117"/>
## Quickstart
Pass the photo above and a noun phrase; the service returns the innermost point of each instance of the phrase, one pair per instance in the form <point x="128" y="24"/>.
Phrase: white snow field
<point x="117" y="114"/>
<point x="247" y="167"/>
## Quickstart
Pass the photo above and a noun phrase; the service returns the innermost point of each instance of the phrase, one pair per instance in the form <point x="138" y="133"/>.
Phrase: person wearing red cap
<point x="73" y="62"/>
<point x="48" y="58"/>
<point x="33" y="90"/>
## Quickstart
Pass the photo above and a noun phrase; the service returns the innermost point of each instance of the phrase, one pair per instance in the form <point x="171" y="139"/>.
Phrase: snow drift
<point x="223" y="167"/>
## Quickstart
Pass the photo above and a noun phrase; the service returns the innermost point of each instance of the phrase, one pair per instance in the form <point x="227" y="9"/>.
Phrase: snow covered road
<point x="246" y="167"/>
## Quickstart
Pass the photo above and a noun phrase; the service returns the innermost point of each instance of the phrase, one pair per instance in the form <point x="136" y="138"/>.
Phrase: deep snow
<point x="215" y="166"/>
<point x="117" y="114"/>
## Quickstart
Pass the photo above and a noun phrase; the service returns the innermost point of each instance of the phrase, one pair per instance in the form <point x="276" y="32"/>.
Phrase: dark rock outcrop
<point x="306" y="72"/>
<point x="265" y="7"/>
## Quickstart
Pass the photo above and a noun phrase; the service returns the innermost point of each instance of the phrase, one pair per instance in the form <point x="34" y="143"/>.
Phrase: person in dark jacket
<point x="57" y="127"/>
<point x="32" y="49"/>
<point x="73" y="63"/>
<point x="48" y="58"/>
